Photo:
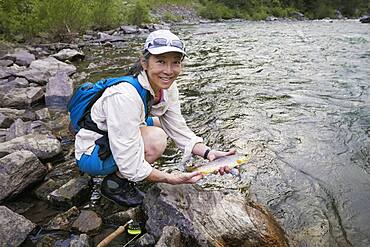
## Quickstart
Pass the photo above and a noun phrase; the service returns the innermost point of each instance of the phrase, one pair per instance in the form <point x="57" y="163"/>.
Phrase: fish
<point x="231" y="161"/>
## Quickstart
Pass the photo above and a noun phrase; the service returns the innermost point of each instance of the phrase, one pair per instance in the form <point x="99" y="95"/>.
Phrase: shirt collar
<point x="144" y="81"/>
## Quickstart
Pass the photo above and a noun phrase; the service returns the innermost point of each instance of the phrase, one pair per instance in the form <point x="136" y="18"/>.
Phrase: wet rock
<point x="21" y="97"/>
<point x="204" y="220"/>
<point x="171" y="236"/>
<point x="69" y="54"/>
<point x="42" y="191"/>
<point x="22" y="57"/>
<point x="49" y="240"/>
<point x="75" y="192"/>
<point x="80" y="241"/>
<point x="365" y="19"/>
<point x="88" y="222"/>
<point x="6" y="63"/>
<point x="43" y="146"/>
<point x="64" y="220"/>
<point x="64" y="172"/>
<point x="42" y="114"/>
<point x="146" y="240"/>
<point x="120" y="218"/>
<point x="19" y="207"/>
<point x="58" y="91"/>
<point x="18" y="170"/>
<point x="14" y="227"/>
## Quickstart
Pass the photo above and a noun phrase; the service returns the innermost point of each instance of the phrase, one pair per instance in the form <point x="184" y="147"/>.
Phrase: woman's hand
<point x="185" y="178"/>
<point x="215" y="154"/>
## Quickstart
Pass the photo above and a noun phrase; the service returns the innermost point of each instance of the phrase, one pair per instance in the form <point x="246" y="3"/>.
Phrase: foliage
<point x="139" y="13"/>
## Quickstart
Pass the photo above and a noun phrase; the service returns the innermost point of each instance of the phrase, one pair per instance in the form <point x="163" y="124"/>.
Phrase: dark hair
<point x="136" y="69"/>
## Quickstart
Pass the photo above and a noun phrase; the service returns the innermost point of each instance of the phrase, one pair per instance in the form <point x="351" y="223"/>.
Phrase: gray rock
<point x="3" y="135"/>
<point x="17" y="171"/>
<point x="81" y="241"/>
<point x="58" y="91"/>
<point x="204" y="220"/>
<point x="69" y="54"/>
<point x="103" y="37"/>
<point x="64" y="220"/>
<point x="18" y="128"/>
<point x="75" y="192"/>
<point x="43" y="146"/>
<point x="42" y="191"/>
<point x="146" y="240"/>
<point x="22" y="57"/>
<point x="298" y="16"/>
<point x="64" y="172"/>
<point x="20" y="82"/>
<point x="129" y="29"/>
<point x="120" y="218"/>
<point x="42" y="114"/>
<point x="14" y="227"/>
<point x="8" y="116"/>
<point x="6" y="63"/>
<point x="5" y="72"/>
<point x="88" y="222"/>
<point x="171" y="236"/>
<point x="40" y="77"/>
<point x="21" y="97"/>
<point x="53" y="66"/>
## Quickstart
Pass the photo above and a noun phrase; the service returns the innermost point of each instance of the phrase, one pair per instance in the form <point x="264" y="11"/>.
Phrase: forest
<point x="23" y="19"/>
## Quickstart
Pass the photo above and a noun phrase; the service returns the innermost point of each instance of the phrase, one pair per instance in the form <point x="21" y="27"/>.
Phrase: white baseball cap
<point x="162" y="41"/>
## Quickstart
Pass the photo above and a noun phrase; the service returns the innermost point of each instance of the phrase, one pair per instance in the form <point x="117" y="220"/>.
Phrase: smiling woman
<point x="118" y="139"/>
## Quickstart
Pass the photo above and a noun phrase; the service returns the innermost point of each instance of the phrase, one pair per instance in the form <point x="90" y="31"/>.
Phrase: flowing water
<point x="295" y="93"/>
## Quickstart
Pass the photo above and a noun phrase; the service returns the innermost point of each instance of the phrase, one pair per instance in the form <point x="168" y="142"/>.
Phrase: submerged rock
<point x="17" y="171"/>
<point x="211" y="218"/>
<point x="43" y="146"/>
<point x="14" y="227"/>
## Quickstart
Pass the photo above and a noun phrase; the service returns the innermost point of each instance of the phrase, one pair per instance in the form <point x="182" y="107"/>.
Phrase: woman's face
<point x="162" y="69"/>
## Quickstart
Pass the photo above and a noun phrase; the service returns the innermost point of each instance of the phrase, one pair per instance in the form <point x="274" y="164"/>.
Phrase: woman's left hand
<point x="215" y="154"/>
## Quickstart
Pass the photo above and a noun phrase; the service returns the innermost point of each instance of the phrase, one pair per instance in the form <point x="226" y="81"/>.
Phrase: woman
<point x="134" y="145"/>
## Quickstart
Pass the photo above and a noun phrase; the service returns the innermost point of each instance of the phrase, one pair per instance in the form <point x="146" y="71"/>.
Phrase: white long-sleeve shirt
<point x="120" y="111"/>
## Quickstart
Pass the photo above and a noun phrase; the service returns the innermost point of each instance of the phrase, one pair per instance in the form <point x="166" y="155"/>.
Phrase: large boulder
<point x="21" y="97"/>
<point x="17" y="171"/>
<point x="22" y="57"/>
<point x="43" y="146"/>
<point x="211" y="218"/>
<point x="14" y="227"/>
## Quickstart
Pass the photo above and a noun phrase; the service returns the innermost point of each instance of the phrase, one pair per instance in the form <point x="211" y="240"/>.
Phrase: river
<point x="297" y="94"/>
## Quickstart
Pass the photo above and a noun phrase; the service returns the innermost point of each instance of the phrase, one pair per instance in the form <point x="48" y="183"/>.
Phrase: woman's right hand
<point x="185" y="178"/>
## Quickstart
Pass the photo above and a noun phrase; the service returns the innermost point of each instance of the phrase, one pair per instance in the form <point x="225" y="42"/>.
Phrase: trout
<point x="230" y="161"/>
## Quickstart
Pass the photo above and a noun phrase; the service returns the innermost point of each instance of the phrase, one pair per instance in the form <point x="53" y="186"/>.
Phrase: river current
<point x="297" y="96"/>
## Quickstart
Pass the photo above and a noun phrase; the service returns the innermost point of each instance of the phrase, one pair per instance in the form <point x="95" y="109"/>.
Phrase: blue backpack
<point x="88" y="93"/>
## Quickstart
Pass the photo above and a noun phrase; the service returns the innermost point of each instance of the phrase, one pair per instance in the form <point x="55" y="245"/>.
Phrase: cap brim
<point x="165" y="49"/>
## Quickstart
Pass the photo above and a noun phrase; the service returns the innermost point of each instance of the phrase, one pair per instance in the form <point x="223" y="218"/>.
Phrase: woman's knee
<point x="155" y="142"/>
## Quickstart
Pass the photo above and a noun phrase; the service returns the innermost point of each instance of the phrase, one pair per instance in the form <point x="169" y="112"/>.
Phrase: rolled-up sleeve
<point x="124" y="118"/>
<point x="175" y="126"/>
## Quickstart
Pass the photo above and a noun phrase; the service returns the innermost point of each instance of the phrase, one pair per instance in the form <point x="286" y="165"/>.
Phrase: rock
<point x="17" y="171"/>
<point x="88" y="222"/>
<point x="21" y="97"/>
<point x="271" y="18"/>
<point x="103" y="37"/>
<point x="365" y="19"/>
<point x="19" y="207"/>
<point x="120" y="218"/>
<point x="20" y="82"/>
<point x="64" y="220"/>
<point x="81" y="241"/>
<point x="42" y="114"/>
<point x="42" y="191"/>
<point x="18" y="128"/>
<point x="129" y="29"/>
<point x="5" y="72"/>
<point x="14" y="227"/>
<point x="58" y="91"/>
<point x="146" y="240"/>
<point x="204" y="219"/>
<point x="6" y="63"/>
<point x="43" y="146"/>
<point x="22" y="57"/>
<point x="3" y="135"/>
<point x="63" y="172"/>
<point x="69" y="54"/>
<point x="75" y="192"/>
<point x="41" y="70"/>
<point x="171" y="236"/>
<point x="8" y="116"/>
<point x="338" y="14"/>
